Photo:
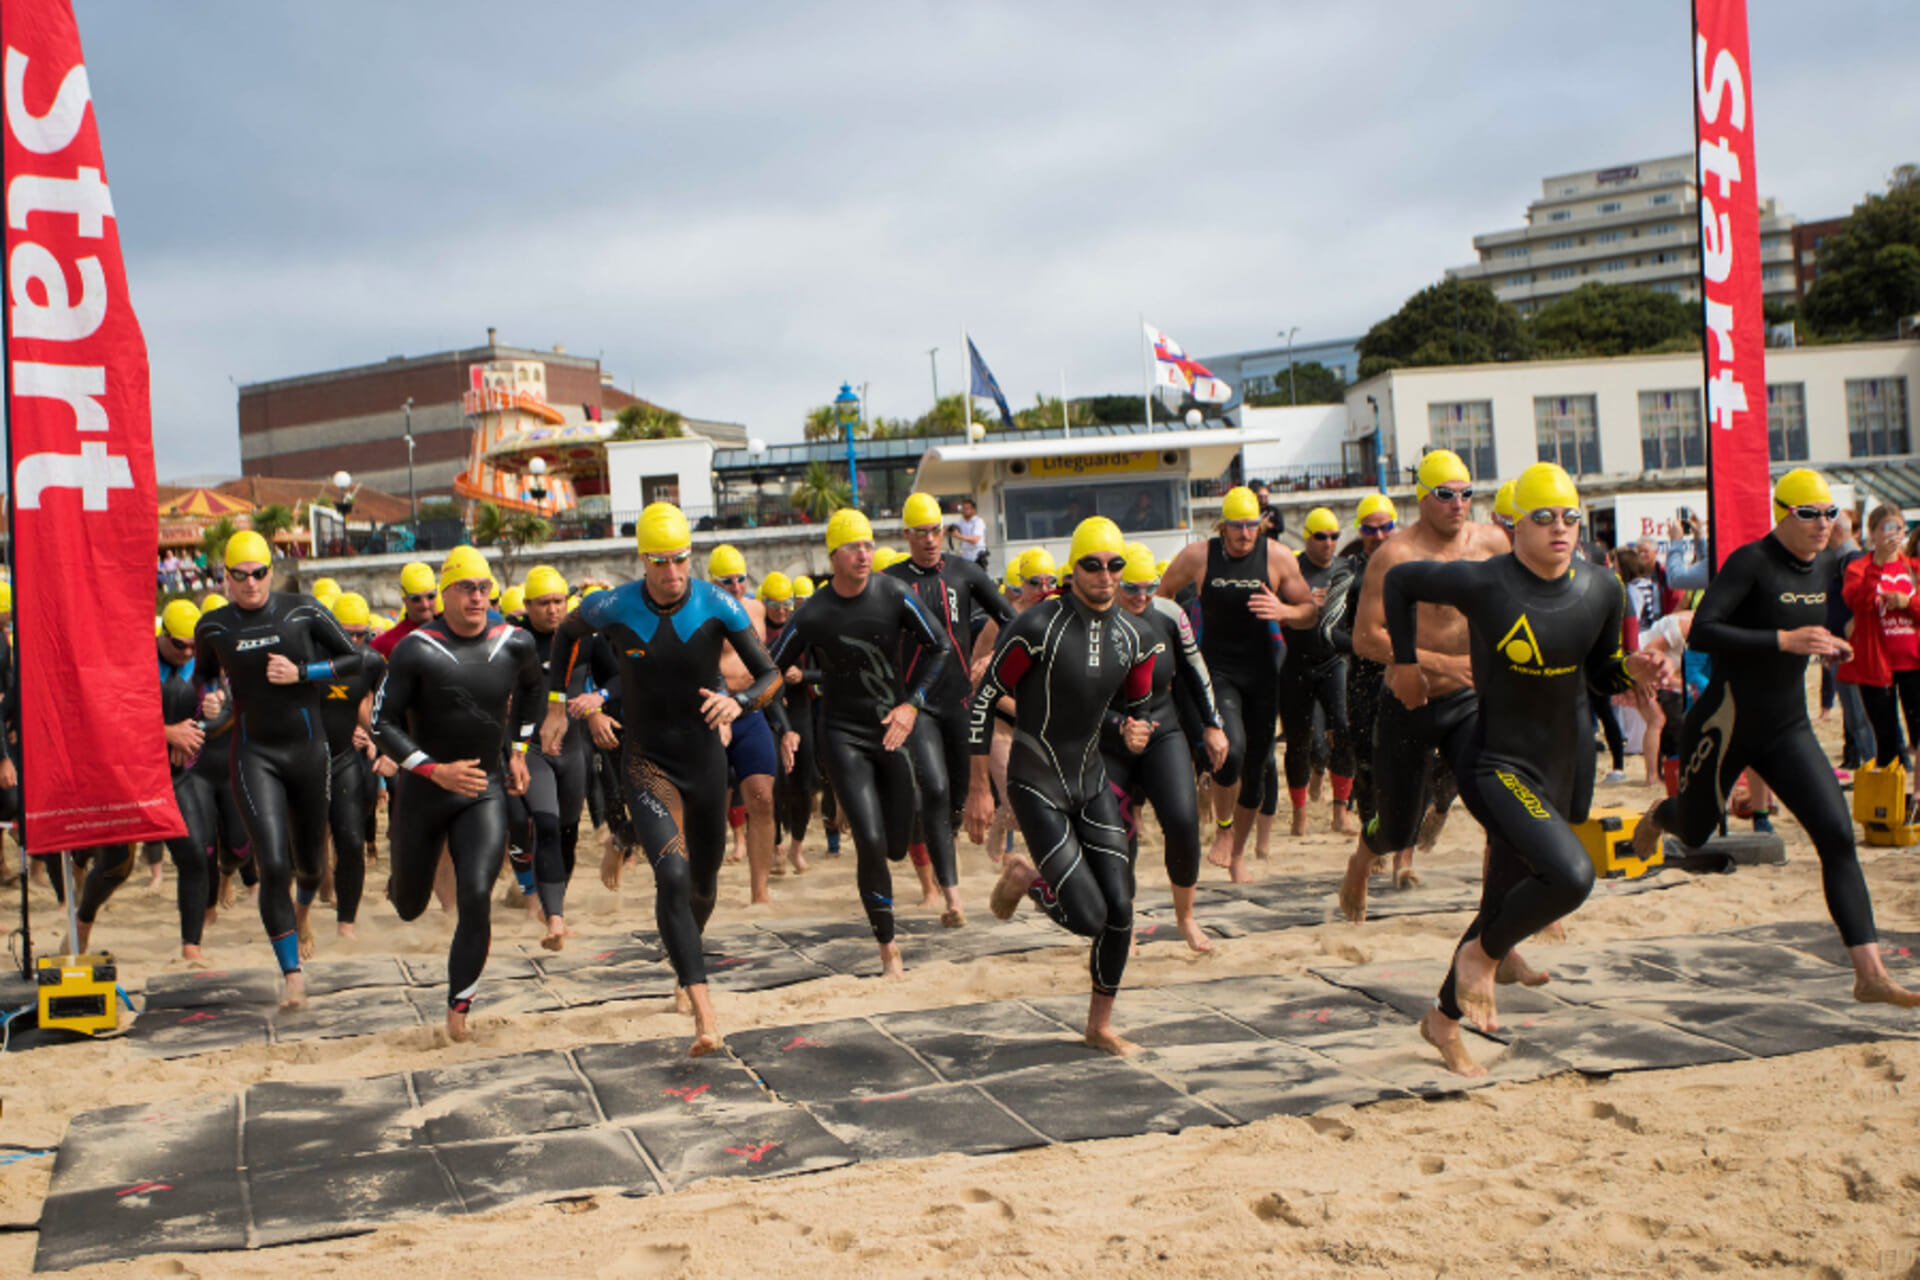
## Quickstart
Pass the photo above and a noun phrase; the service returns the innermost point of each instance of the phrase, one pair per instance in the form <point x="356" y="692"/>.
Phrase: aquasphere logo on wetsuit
<point x="1522" y="651"/>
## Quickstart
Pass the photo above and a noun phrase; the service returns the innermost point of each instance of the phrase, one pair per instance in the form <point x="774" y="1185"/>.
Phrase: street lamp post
<point x="1292" y="397"/>
<point x="934" y="364"/>
<point x="343" y="481"/>
<point x="846" y="406"/>
<point x="413" y="497"/>
<point x="537" y="468"/>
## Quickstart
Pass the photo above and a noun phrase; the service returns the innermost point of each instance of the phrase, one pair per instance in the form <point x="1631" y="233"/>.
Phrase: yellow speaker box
<point x="1880" y="805"/>
<point x="1608" y="835"/>
<point x="77" y="993"/>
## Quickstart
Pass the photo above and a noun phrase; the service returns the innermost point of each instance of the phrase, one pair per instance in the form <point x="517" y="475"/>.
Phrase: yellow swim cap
<point x="1140" y="566"/>
<point x="922" y="509"/>
<point x="726" y="562"/>
<point x="1038" y="562"/>
<point x="464" y="564"/>
<point x="1544" y="485"/>
<point x="211" y="601"/>
<point x="847" y="525"/>
<point x="6" y="596"/>
<point x="493" y="590"/>
<point x="417" y="578"/>
<point x="382" y="624"/>
<point x="1440" y="466"/>
<point x="1800" y="487"/>
<point x="662" y="527"/>
<point x="1240" y="504"/>
<point x="350" y="610"/>
<point x="247" y="547"/>
<point x="1096" y="536"/>
<point x="513" y="600"/>
<point x="802" y="587"/>
<point x="1160" y="567"/>
<point x="179" y="618"/>
<point x="543" y="580"/>
<point x="776" y="588"/>
<point x="598" y="586"/>
<point x="439" y="603"/>
<point x="1503" y="503"/>
<point x="1376" y="504"/>
<point x="1321" y="520"/>
<point x="325" y="589"/>
<point x="573" y="602"/>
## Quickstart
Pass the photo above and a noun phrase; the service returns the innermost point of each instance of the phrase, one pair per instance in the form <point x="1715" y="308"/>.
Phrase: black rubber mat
<point x="973" y="1041"/>
<point x="500" y="1097"/>
<point x="347" y="1197"/>
<point x="828" y="1061"/>
<point x="289" y="1126"/>
<point x="488" y="1175"/>
<point x="1107" y="1098"/>
<point x="948" y="1117"/>
<point x="758" y="1142"/>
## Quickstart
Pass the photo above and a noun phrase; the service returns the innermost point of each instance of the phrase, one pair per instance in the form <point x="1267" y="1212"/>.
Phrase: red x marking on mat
<point x="752" y="1153"/>
<point x="142" y="1188"/>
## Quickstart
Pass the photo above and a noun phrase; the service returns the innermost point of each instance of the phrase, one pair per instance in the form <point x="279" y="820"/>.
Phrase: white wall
<point x="1309" y="435"/>
<point x="689" y="457"/>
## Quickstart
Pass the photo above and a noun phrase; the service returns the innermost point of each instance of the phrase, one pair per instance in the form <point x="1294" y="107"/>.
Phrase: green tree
<point x="511" y="532"/>
<point x="823" y="423"/>
<point x="1122" y="411"/>
<point x="1613" y="320"/>
<point x="949" y="417"/>
<point x="1045" y="413"/>
<point x="822" y="491"/>
<point x="1453" y="322"/>
<point x="270" y="522"/>
<point x="1869" y="271"/>
<point x="1312" y="383"/>
<point x="648" y="422"/>
<point x="214" y="540"/>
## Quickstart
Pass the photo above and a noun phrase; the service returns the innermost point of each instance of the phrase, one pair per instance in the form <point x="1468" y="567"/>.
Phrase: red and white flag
<point x="93" y="762"/>
<point x="1734" y="406"/>
<point x="1173" y="369"/>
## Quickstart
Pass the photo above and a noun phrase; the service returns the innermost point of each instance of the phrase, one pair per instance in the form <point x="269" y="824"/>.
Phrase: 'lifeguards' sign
<point x="1738" y="476"/>
<point x="1094" y="464"/>
<point x="93" y="761"/>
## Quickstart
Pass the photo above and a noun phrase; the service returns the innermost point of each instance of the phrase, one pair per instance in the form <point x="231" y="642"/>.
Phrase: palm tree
<point x="509" y="531"/>
<point x="648" y="422"/>
<point x="823" y="423"/>
<point x="213" y="542"/>
<point x="271" y="521"/>
<point x="822" y="492"/>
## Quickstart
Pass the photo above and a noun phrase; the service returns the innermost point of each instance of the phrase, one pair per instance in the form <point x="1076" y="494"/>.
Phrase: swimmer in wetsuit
<point x="458" y="692"/>
<point x="193" y="852"/>
<point x="1762" y="617"/>
<point x="1544" y="630"/>
<point x="952" y="590"/>
<point x="1064" y="662"/>
<point x="1247" y="584"/>
<point x="346" y="709"/>
<point x="1032" y="576"/>
<point x="855" y="628"/>
<point x="1374" y="522"/>
<point x="1315" y="675"/>
<point x="799" y="775"/>
<point x="557" y="781"/>
<point x="1407" y="741"/>
<point x="666" y="632"/>
<point x="1161" y="773"/>
<point x="275" y="652"/>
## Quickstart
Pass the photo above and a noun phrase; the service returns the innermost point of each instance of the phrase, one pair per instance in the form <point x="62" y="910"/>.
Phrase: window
<point x="1516" y="280"/>
<point x="1564" y="242"/>
<point x="1517" y="251"/>
<point x="1567" y="430"/>
<point x="1787" y="421"/>
<point x="1670" y="434"/>
<point x="1562" y="273"/>
<point x="1673" y="173"/>
<point x="1559" y="215"/>
<point x="1467" y="429"/>
<point x="1608" y="237"/>
<point x="1876" y="416"/>
<point x="1569" y="191"/>
<point x="1664" y="256"/>
<point x="1611" y="206"/>
<point x="1661" y="229"/>
<point x="1665" y="197"/>
<point x="1772" y="274"/>
<point x="1037" y="512"/>
<point x="1616" y="264"/>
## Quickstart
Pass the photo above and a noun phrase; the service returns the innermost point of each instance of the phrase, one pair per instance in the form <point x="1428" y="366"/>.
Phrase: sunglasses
<point x="1139" y="588"/>
<point x="1326" y="537"/>
<point x="178" y="643"/>
<point x="473" y="586"/>
<point x="1545" y="516"/>
<point x="357" y="634"/>
<point x="671" y="557"/>
<point x="1376" y="530"/>
<point x="1245" y="526"/>
<point x="1810" y="514"/>
<point x="249" y="575"/>
<point x="1094" y="564"/>
<point x="732" y="579"/>
<point x="1041" y="583"/>
<point x="1447" y="493"/>
<point x="419" y="597"/>
<point x="925" y="530"/>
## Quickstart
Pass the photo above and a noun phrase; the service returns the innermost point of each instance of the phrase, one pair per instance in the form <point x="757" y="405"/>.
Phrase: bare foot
<point x="953" y="918"/>
<point x="1430" y="828"/>
<point x="1404" y="876"/>
<point x="778" y="867"/>
<point x="556" y="939"/>
<point x="344" y="928"/>
<point x="892" y="967"/>
<point x="1195" y="936"/>
<point x="613" y="860"/>
<point x="1315" y="782"/>
<point x="1473" y="973"/>
<point x="1107" y="1040"/>
<point x="457" y="1030"/>
<point x="535" y="912"/>
<point x="213" y="913"/>
<point x="703" y="1044"/>
<point x="306" y="934"/>
<point x="1344" y="823"/>
<point x="1515" y="970"/>
<point x="154" y="882"/>
<point x="1017" y="875"/>
<point x="1381" y="865"/>
<point x="797" y="860"/>
<point x="1299" y="827"/>
<point x="326" y="888"/>
<point x="1353" y="890"/>
<point x="190" y="952"/>
<point x="1239" y="872"/>
<point x="1884" y="990"/>
<point x="1221" y="854"/>
<point x="296" y="993"/>
<point x="1443" y="1033"/>
<point x="1646" y="835"/>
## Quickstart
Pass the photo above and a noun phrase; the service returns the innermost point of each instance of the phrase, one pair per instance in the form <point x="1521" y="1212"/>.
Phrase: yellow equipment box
<point x="1880" y="805"/>
<point x="1608" y="836"/>
<point x="77" y="993"/>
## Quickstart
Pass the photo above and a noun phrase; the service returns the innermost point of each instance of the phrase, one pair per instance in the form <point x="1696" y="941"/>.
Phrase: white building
<point x="1633" y="224"/>
<point x="1847" y="408"/>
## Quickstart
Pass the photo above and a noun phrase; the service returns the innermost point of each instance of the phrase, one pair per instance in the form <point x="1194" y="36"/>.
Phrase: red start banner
<point x="1734" y="407"/>
<point x="93" y="762"/>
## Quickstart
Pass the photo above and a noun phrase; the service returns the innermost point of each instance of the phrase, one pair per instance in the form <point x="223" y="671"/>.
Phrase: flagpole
<point x="966" y="385"/>
<point x="1066" y="423"/>
<point x="1146" y="373"/>
<point x="19" y="598"/>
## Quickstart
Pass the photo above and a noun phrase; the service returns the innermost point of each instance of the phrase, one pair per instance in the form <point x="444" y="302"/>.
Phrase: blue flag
<point x="982" y="384"/>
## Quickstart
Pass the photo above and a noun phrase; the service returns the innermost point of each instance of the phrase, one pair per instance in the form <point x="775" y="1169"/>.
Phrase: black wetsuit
<point x="280" y="761"/>
<point x="1753" y="715"/>
<point x="1354" y="735"/>
<point x="448" y="697"/>
<point x="954" y="594"/>
<point x="557" y="785"/>
<point x="1315" y="674"/>
<point x="793" y="789"/>
<point x="1064" y="664"/>
<point x="350" y="805"/>
<point x="1242" y="656"/>
<point x="1162" y="773"/>
<point x="673" y="767"/>
<point x="1523" y="763"/>
<point x="857" y="643"/>
<point x="193" y="851"/>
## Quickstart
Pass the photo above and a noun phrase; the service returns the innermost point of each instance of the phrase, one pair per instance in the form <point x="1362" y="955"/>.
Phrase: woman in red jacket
<point x="1880" y="590"/>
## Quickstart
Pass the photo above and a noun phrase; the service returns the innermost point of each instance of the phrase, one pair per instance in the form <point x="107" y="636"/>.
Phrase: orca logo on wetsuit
<point x="1803" y="597"/>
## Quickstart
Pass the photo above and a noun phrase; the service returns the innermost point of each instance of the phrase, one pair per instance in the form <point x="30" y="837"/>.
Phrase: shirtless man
<point x="1405" y="741"/>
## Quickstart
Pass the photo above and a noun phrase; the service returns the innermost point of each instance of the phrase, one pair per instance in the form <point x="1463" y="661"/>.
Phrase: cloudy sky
<point x="736" y="206"/>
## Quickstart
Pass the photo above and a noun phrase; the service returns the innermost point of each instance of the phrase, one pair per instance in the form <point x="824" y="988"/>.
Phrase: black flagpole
<point x="13" y="575"/>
